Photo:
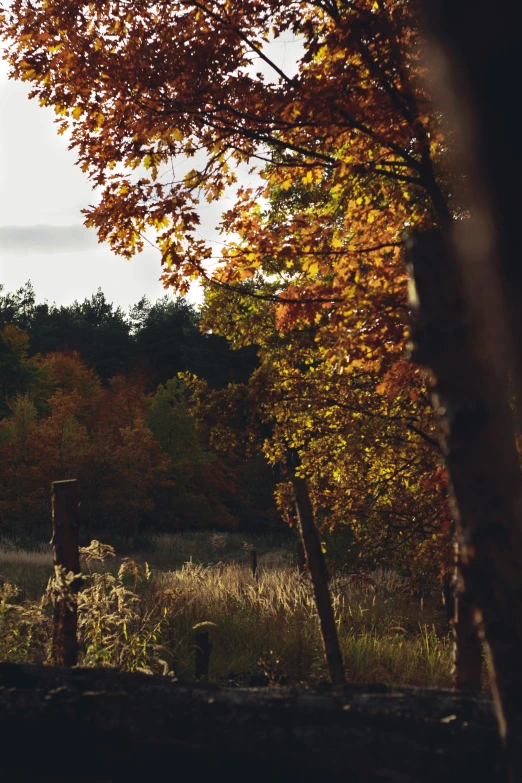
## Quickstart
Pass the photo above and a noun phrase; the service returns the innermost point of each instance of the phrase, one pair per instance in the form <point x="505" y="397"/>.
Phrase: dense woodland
<point x="310" y="286"/>
<point x="91" y="392"/>
<point x="387" y="143"/>
<point x="170" y="429"/>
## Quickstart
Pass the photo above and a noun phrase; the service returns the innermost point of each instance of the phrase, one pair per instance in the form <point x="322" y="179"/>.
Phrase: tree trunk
<point x="319" y="574"/>
<point x="467" y="644"/>
<point x="301" y="558"/>
<point x="477" y="437"/>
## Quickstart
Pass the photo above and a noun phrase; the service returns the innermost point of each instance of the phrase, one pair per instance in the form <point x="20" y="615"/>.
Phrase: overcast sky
<point x="42" y="237"/>
<point x="42" y="192"/>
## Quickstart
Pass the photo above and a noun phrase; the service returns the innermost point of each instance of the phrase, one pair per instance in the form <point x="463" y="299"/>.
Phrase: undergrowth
<point x="262" y="630"/>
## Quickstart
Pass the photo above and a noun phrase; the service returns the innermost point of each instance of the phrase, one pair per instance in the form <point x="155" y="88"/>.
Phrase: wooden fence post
<point x="65" y="501"/>
<point x="253" y="562"/>
<point x="203" y="648"/>
<point x="319" y="574"/>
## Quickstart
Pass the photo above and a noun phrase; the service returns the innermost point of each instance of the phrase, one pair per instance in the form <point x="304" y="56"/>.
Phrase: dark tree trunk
<point x="467" y="666"/>
<point x="301" y="558"/>
<point x="319" y="574"/>
<point x="467" y="642"/>
<point x="477" y="438"/>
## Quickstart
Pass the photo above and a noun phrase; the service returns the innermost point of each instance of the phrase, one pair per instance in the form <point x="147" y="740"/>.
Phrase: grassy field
<point x="31" y="567"/>
<point x="137" y="616"/>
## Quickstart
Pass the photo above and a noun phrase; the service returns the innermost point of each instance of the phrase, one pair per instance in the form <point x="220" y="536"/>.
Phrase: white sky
<point x="42" y="192"/>
<point x="42" y="237"/>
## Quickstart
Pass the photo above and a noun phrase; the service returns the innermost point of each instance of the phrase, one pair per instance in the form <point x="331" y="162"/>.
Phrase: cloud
<point x="33" y="240"/>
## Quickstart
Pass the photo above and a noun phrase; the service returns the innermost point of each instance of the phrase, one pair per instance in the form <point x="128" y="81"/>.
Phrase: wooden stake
<point x="203" y="649"/>
<point x="65" y="501"/>
<point x="253" y="562"/>
<point x="319" y="574"/>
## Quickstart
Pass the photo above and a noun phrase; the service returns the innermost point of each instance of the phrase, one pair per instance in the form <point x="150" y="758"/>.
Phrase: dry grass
<point x="135" y="618"/>
<point x="270" y="626"/>
<point x="28" y="569"/>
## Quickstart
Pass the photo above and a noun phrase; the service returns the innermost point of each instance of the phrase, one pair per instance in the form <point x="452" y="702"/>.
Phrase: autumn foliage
<point x="348" y="155"/>
<point x="133" y="446"/>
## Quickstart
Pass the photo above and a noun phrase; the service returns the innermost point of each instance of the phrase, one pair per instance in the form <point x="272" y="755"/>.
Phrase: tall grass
<point x="264" y="630"/>
<point x="30" y="570"/>
<point x="270" y="626"/>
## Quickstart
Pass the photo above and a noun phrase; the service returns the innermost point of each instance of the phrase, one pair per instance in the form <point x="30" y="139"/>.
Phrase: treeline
<point x="91" y="392"/>
<point x="156" y="340"/>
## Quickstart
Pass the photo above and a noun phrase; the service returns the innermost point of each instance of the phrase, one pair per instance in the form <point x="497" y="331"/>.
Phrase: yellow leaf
<point x="247" y="272"/>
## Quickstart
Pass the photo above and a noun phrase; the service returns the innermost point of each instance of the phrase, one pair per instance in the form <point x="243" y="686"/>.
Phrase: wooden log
<point x="123" y="726"/>
<point x="319" y="574"/>
<point x="65" y="501"/>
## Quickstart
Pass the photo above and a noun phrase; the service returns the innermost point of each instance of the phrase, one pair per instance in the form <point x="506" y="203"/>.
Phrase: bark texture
<point x="477" y="439"/>
<point x="467" y="641"/>
<point x="319" y="574"/>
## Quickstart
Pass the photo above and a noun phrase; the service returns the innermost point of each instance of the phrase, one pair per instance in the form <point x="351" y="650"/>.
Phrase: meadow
<point x="140" y="611"/>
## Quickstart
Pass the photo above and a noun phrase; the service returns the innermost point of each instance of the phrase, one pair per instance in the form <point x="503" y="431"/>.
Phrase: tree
<point x="209" y="488"/>
<point x="478" y="296"/>
<point x="100" y="332"/>
<point x="17" y="308"/>
<point x="168" y="339"/>
<point x="350" y="154"/>
<point x="353" y="120"/>
<point x="95" y="328"/>
<point x="366" y="442"/>
<point x="18" y="373"/>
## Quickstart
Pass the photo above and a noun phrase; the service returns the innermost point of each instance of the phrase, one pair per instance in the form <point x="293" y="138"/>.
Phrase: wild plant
<point x="116" y="626"/>
<point x="24" y="627"/>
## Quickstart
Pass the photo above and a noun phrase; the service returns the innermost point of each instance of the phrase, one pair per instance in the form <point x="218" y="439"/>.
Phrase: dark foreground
<point x="96" y="724"/>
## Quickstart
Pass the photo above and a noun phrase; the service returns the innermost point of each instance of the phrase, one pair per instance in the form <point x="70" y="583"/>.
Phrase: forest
<point x="321" y="463"/>
<point x="92" y="391"/>
<point x="168" y="428"/>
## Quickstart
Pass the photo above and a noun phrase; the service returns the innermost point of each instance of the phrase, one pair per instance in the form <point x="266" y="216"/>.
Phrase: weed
<point x="136" y="616"/>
